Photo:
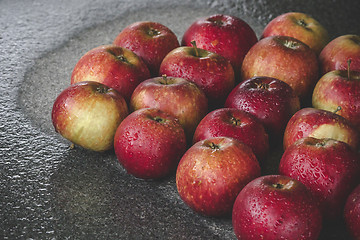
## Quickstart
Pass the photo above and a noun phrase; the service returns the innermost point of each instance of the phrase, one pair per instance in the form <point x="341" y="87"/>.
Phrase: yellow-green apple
<point x="151" y="41"/>
<point x="318" y="123"/>
<point x="149" y="143"/>
<point x="276" y="207"/>
<point x="113" y="66"/>
<point x="209" y="71"/>
<point x="212" y="172"/>
<point x="88" y="114"/>
<point x="177" y="96"/>
<point x="235" y="123"/>
<point x="228" y="36"/>
<point x="339" y="89"/>
<point x="329" y="168"/>
<point x="272" y="101"/>
<point x="286" y="59"/>
<point x="336" y="53"/>
<point x="301" y="26"/>
<point x="352" y="213"/>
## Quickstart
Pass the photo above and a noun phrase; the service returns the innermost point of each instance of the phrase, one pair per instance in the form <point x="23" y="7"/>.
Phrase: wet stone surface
<point x="49" y="191"/>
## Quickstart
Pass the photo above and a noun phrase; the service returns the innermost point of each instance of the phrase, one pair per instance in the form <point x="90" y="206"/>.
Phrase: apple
<point x="300" y="26"/>
<point x="113" y="66"/>
<point x="286" y="59"/>
<point x="88" y="114"/>
<point x="234" y="123"/>
<point x="177" y="96"/>
<point x="151" y="41"/>
<point x="329" y="168"/>
<point x="149" y="143"/>
<point x="339" y="89"/>
<point x="272" y="101"/>
<point x="336" y="53"/>
<point x="318" y="123"/>
<point x="352" y="213"/>
<point x="276" y="207"/>
<point x="212" y="172"/>
<point x="228" y="36"/>
<point x="209" y="71"/>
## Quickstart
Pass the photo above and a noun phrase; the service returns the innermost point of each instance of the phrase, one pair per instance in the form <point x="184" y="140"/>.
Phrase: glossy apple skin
<point x="334" y="89"/>
<point x="336" y="53"/>
<point x="113" y="66"/>
<point x="149" y="143"/>
<point x="286" y="59"/>
<point x="300" y="26"/>
<point x="228" y="36"/>
<point x="234" y="123"/>
<point x="273" y="104"/>
<point x="88" y="114"/>
<point x="212" y="172"/>
<point x="151" y="41"/>
<point x="177" y="96"/>
<point x="209" y="71"/>
<point x="318" y="123"/>
<point x="352" y="213"/>
<point x="276" y="207"/>
<point x="329" y="168"/>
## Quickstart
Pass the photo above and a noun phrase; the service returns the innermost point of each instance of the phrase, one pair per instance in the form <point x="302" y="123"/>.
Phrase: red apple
<point x="318" y="123"/>
<point x="276" y="207"/>
<point x="336" y="54"/>
<point x="88" y="114"/>
<point x="113" y="66"/>
<point x="352" y="213"/>
<point x="235" y="123"/>
<point x="151" y="41"/>
<point x="272" y="101"/>
<point x="228" y="36"/>
<point x="149" y="143"/>
<point x="329" y="168"/>
<point x="212" y="172"/>
<point x="300" y="26"/>
<point x="177" y="96"/>
<point x="209" y="71"/>
<point x="286" y="59"/>
<point x="336" y="89"/>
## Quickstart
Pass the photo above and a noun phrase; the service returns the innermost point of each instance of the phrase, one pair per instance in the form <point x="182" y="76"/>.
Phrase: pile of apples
<point x="214" y="108"/>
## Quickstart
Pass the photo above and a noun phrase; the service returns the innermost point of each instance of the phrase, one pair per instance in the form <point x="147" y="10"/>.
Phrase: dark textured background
<point x="48" y="191"/>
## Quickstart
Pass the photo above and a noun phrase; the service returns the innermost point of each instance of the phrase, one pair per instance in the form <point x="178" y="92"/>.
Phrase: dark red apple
<point x="301" y="26"/>
<point x="88" y="114"/>
<point x="228" y="36"/>
<point x="151" y="41"/>
<point x="177" y="96"/>
<point x="336" y="53"/>
<point x="286" y="59"/>
<point x="318" y="123"/>
<point x="113" y="66"/>
<point x="212" y="172"/>
<point x="329" y="168"/>
<point x="352" y="213"/>
<point x="209" y="71"/>
<point x="272" y="101"/>
<point x="235" y="123"/>
<point x="339" y="88"/>
<point x="276" y="207"/>
<point x="149" y="143"/>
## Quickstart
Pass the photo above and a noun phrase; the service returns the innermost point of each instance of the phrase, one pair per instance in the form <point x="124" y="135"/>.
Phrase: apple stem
<point x="165" y="79"/>
<point x="337" y="109"/>
<point x="193" y="43"/>
<point x="348" y="68"/>
<point x="278" y="185"/>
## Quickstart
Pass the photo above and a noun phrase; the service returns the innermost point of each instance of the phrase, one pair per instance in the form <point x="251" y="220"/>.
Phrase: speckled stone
<point x="49" y="191"/>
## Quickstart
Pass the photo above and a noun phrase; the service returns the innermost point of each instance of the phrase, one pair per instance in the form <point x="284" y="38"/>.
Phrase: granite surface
<point x="49" y="191"/>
